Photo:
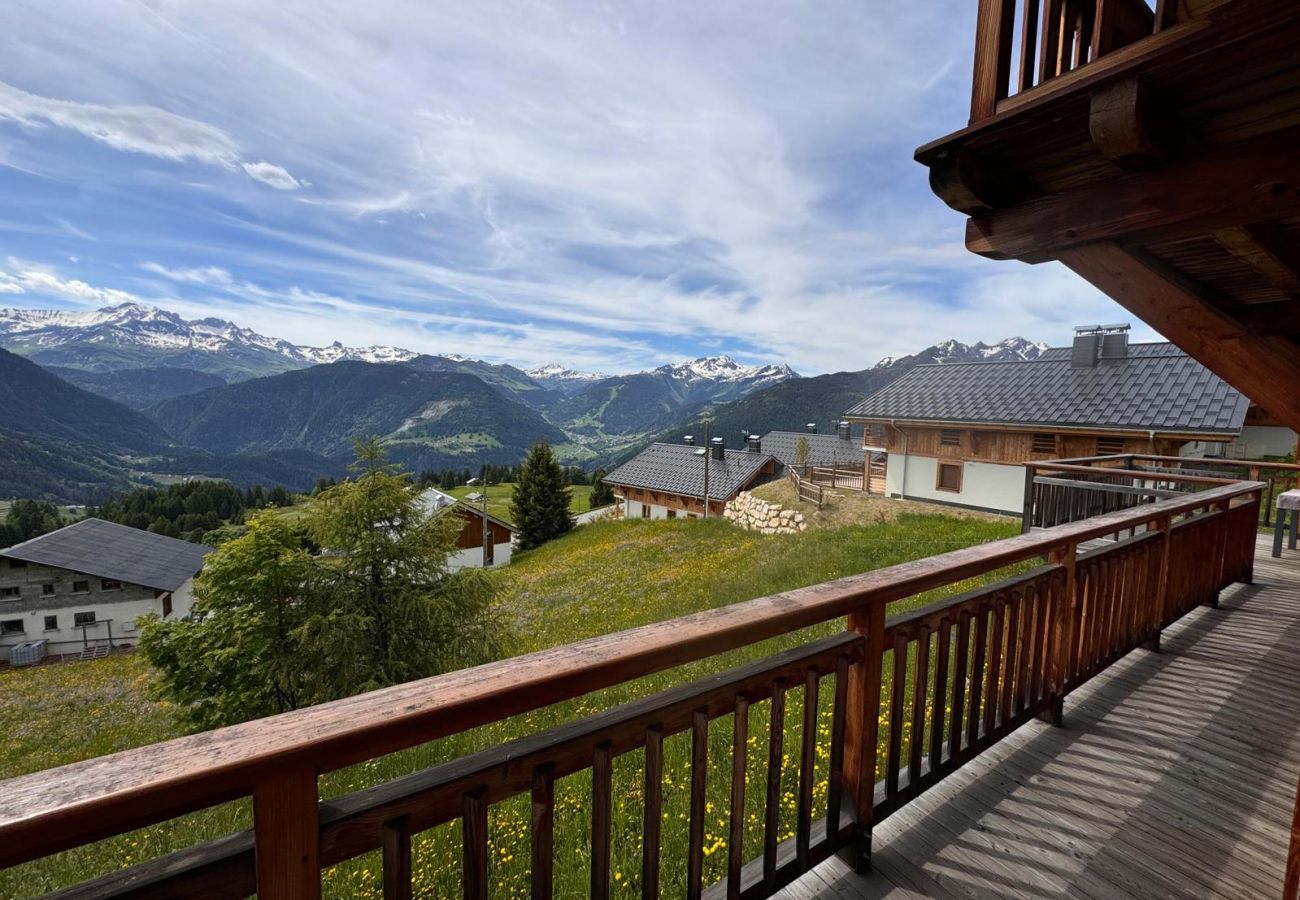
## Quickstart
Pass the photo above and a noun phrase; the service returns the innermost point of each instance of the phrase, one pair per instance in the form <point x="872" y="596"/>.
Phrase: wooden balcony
<point x="1154" y="153"/>
<point x="918" y="706"/>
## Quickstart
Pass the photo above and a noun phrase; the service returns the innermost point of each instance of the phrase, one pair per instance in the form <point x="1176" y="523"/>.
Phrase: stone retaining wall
<point x="753" y="514"/>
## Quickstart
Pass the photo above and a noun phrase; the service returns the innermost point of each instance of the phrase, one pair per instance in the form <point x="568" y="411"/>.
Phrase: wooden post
<point x="1220" y="550"/>
<point x="994" y="28"/>
<point x="861" y="730"/>
<point x="1157" y="615"/>
<point x="286" y="836"/>
<point x="1063" y="634"/>
<point x="1027" y="516"/>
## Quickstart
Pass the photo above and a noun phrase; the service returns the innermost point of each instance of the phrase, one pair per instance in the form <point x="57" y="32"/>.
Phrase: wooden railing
<point x="1020" y="44"/>
<point x="912" y="697"/>
<point x="805" y="489"/>
<point x="837" y="475"/>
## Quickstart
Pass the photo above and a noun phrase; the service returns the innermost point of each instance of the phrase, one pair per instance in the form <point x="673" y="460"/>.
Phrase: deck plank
<point x="1173" y="777"/>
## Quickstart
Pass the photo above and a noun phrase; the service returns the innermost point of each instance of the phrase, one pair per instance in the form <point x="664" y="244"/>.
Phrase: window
<point x="645" y="510"/>
<point x="1109" y="446"/>
<point x="10" y="593"/>
<point x="12" y="626"/>
<point x="83" y="618"/>
<point x="17" y="563"/>
<point x="109" y="584"/>
<point x="47" y="590"/>
<point x="167" y="598"/>
<point x="672" y="513"/>
<point x="948" y="478"/>
<point x="1044" y="443"/>
<point x="81" y="587"/>
<point x="950" y="437"/>
<point x="51" y="623"/>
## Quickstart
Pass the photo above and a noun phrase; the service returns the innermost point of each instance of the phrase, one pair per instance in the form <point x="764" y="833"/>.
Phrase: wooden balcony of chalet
<point x="1020" y="738"/>
<point x="1154" y="152"/>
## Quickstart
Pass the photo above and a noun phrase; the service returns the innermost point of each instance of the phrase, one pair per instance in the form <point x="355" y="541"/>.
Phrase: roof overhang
<point x="1130" y="430"/>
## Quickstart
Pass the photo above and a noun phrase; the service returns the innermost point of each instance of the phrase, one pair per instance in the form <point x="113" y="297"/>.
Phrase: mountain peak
<point x="951" y="350"/>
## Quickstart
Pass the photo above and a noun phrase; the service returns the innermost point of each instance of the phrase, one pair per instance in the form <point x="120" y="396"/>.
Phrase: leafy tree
<point x="540" y="505"/>
<point x="27" y="519"/>
<point x="276" y="628"/>
<point x="802" y="450"/>
<point x="601" y="493"/>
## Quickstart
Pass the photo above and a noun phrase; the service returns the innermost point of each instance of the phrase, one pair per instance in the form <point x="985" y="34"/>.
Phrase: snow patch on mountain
<point x="950" y="351"/>
<point x="724" y="368"/>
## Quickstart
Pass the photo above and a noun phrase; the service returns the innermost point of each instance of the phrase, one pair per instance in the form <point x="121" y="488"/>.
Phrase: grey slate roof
<point x="1158" y="387"/>
<point x="108" y="550"/>
<point x="823" y="449"/>
<point x="677" y="469"/>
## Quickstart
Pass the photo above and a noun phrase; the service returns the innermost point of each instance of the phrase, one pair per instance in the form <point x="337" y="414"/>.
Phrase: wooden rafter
<point x="1264" y="368"/>
<point x="1265" y="250"/>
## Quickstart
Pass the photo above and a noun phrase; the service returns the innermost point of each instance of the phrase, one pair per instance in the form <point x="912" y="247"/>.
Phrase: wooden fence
<point x="805" y="489"/>
<point x="914" y="696"/>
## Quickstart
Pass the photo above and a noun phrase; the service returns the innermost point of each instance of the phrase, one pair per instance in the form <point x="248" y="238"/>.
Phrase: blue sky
<point x="605" y="185"/>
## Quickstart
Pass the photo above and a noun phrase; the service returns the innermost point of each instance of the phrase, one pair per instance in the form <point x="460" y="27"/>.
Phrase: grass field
<point x="499" y="498"/>
<point x="604" y="577"/>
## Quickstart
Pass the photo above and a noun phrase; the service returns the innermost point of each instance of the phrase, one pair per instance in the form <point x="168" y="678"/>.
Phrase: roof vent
<point x="811" y="427"/>
<point x="719" y="447"/>
<point x="843" y="430"/>
<point x="689" y="440"/>
<point x="755" y="443"/>
<point x="1087" y="346"/>
<point x="1114" y="341"/>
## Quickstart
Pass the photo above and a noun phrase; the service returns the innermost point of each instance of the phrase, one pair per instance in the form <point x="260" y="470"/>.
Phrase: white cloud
<point x="201" y="275"/>
<point x="269" y="173"/>
<point x="9" y="287"/>
<point x="47" y="282"/>
<point x="138" y="129"/>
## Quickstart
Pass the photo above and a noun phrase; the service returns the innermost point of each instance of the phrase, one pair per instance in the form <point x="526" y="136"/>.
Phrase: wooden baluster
<point x="1064" y="614"/>
<point x="959" y="676"/>
<point x="543" y="831"/>
<point x="1028" y="38"/>
<point x="835" y="792"/>
<point x="993" y="674"/>
<point x="1049" y="56"/>
<point x="739" y="759"/>
<point x="474" y="838"/>
<point x="772" y="807"/>
<point x="654" y="812"/>
<point x="601" y="819"/>
<point x="862" y="728"/>
<point x="807" y="772"/>
<point x="994" y="32"/>
<point x="973" y="716"/>
<point x="1042" y="658"/>
<point x="286" y="836"/>
<point x="1010" y="657"/>
<point x="1220" y="551"/>
<point x="699" y="776"/>
<point x="1028" y="647"/>
<point x="894" y="758"/>
<point x="395" y="843"/>
<point x="942" y="691"/>
<point x="920" y="687"/>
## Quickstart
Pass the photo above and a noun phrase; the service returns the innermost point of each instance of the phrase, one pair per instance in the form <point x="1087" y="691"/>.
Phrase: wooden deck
<point x="1099" y="809"/>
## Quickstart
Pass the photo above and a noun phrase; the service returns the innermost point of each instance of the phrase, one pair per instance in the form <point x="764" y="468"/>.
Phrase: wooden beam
<point x="1282" y="317"/>
<point x="1122" y="126"/>
<point x="1166" y="14"/>
<point x="1265" y="249"/>
<point x="1265" y="369"/>
<point x="969" y="185"/>
<point x="1249" y="181"/>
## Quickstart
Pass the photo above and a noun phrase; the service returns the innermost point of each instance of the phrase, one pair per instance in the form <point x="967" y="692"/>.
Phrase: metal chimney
<point x="843" y="430"/>
<point x="755" y="443"/>
<point x="1087" y="346"/>
<point x="811" y="427"/>
<point x="719" y="447"/>
<point x="689" y="440"/>
<point x="1114" y="341"/>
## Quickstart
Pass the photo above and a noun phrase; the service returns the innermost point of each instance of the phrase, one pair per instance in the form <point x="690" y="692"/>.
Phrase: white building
<point x="89" y="584"/>
<point x="478" y="525"/>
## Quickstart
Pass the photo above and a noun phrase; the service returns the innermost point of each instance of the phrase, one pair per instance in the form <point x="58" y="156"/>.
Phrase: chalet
<point x="822" y="449"/>
<point x="665" y="481"/>
<point x="484" y="540"/>
<point x="86" y="585"/>
<point x="960" y="433"/>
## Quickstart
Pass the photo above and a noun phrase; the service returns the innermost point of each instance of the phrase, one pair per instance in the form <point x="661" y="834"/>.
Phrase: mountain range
<point x="209" y="397"/>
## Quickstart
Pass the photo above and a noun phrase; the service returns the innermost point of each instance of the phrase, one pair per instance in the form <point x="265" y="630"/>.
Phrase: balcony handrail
<point x="50" y="811"/>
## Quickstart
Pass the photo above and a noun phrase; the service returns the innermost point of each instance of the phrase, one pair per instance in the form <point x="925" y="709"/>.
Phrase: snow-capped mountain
<point x="565" y="380"/>
<point x="724" y="369"/>
<point x="1008" y="350"/>
<point x="133" y="335"/>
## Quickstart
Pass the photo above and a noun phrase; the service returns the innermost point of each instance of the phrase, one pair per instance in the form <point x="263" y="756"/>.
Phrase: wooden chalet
<point x="665" y="481"/>
<point x="961" y="433"/>
<point x="483" y="539"/>
<point x="916" y="750"/>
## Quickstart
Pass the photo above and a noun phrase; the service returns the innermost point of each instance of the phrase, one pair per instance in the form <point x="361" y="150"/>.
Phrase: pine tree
<point x="540" y="505"/>
<point x="601" y="493"/>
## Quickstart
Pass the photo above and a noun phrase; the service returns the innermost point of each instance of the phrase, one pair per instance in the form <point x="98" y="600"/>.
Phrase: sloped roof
<point x="679" y="469"/>
<point x="108" y="550"/>
<point x="823" y="449"/>
<point x="1157" y="387"/>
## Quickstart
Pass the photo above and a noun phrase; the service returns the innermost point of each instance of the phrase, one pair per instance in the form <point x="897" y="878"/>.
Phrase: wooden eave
<point x="1042" y="428"/>
<point x="1166" y="173"/>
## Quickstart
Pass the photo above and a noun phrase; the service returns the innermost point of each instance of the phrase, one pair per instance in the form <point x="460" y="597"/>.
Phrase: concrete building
<point x="665" y="481"/>
<point x="960" y="433"/>
<point x="470" y="543"/>
<point x="88" y="584"/>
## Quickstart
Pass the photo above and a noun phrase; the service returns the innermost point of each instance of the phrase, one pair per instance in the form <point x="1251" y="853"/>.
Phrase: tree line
<point x="190" y="510"/>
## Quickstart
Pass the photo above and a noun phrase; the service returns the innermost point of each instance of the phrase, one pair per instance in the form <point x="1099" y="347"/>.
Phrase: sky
<point x="603" y="185"/>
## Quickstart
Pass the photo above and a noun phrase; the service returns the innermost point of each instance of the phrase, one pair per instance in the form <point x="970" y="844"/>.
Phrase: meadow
<point x="499" y="496"/>
<point x="603" y="577"/>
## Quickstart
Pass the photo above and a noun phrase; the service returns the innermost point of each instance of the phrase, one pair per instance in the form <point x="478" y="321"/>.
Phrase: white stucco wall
<point x="983" y="485"/>
<point x="67" y="639"/>
<point x="1261" y="440"/>
<point x="472" y="557"/>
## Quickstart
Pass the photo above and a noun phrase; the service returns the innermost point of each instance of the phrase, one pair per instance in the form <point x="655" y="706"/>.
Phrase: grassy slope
<point x="499" y="498"/>
<point x="562" y="592"/>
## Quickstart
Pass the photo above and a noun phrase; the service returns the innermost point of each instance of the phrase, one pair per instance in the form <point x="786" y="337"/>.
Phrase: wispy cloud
<point x="269" y="173"/>
<point x="202" y="275"/>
